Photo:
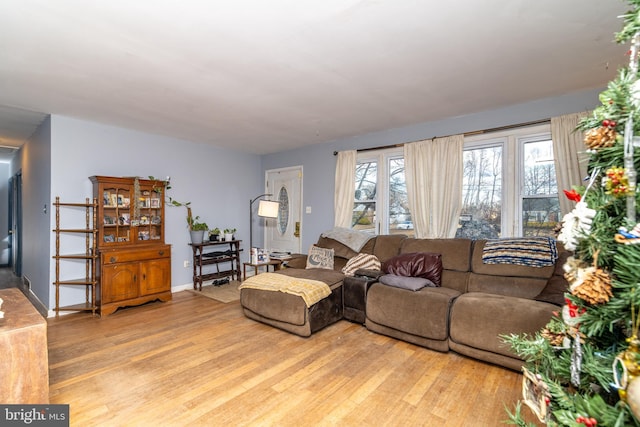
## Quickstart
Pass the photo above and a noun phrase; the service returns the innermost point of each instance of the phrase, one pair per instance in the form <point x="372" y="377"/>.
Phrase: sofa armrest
<point x="296" y="261"/>
<point x="373" y="274"/>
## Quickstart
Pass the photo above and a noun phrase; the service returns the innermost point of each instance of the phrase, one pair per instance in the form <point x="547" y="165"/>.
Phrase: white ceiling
<point x="265" y="76"/>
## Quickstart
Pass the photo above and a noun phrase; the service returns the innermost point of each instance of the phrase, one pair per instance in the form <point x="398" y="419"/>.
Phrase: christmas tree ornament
<point x="592" y="285"/>
<point x="628" y="135"/>
<point x="535" y="394"/>
<point x="576" y="361"/>
<point x="628" y="237"/>
<point x="571" y="268"/>
<point x="601" y="137"/>
<point x="635" y="94"/>
<point x="626" y="369"/>
<point x="571" y="313"/>
<point x="616" y="182"/>
<point x="576" y="225"/>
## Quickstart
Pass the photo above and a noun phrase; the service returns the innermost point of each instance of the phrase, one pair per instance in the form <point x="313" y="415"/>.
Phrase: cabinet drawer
<point x="120" y="255"/>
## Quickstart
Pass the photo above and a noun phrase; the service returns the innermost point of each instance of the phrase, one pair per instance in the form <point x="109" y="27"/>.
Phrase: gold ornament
<point x="601" y="137"/>
<point x="625" y="372"/>
<point x="633" y="397"/>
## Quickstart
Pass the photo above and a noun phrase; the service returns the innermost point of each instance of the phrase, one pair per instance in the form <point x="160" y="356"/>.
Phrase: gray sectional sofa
<point x="475" y="304"/>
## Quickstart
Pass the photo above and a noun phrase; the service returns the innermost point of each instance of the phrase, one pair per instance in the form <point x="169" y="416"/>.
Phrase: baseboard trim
<point x="33" y="298"/>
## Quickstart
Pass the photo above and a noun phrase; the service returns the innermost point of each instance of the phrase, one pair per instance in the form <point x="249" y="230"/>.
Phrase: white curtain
<point x="570" y="156"/>
<point x="345" y="188"/>
<point x="433" y="172"/>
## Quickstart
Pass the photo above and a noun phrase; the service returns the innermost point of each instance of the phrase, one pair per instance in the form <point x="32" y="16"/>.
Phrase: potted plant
<point x="228" y="233"/>
<point x="196" y="228"/>
<point x="214" y="235"/>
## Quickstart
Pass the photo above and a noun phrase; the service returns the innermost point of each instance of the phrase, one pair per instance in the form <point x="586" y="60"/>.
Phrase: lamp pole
<point x="251" y="202"/>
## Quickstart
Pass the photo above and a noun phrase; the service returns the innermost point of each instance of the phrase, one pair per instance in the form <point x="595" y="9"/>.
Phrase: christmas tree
<point x="583" y="368"/>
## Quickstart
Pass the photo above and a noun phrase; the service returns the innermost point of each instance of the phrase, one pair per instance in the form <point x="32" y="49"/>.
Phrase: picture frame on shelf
<point x="114" y="200"/>
<point x="106" y="198"/>
<point x="108" y="220"/>
<point x="155" y="203"/>
<point x="108" y="238"/>
<point x="125" y="219"/>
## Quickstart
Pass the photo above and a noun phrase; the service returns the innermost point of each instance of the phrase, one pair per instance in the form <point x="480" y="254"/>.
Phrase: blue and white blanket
<point x="530" y="252"/>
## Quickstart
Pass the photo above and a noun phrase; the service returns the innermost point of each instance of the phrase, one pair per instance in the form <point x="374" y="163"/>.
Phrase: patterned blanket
<point x="311" y="291"/>
<point x="530" y="252"/>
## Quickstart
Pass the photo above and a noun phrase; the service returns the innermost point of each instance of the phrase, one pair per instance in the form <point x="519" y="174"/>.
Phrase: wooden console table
<point x="24" y="365"/>
<point x="214" y="253"/>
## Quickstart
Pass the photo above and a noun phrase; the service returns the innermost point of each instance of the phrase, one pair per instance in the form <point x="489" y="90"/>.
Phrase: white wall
<point x="218" y="182"/>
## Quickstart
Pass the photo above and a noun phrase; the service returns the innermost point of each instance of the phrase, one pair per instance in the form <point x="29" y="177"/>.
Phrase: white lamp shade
<point x="268" y="209"/>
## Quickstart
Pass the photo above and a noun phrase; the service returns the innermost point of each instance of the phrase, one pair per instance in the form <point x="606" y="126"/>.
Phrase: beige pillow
<point x="364" y="261"/>
<point x="320" y="258"/>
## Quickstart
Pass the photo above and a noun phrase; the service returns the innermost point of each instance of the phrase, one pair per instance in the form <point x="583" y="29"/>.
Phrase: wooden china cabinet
<point x="134" y="263"/>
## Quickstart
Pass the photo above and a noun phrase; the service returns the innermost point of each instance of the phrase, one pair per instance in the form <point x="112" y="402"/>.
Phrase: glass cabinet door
<point x="116" y="216"/>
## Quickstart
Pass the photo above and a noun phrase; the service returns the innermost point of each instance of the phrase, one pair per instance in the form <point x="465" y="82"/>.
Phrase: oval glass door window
<point x="283" y="212"/>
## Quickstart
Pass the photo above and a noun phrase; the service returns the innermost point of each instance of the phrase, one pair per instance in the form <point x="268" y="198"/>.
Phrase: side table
<point x="276" y="263"/>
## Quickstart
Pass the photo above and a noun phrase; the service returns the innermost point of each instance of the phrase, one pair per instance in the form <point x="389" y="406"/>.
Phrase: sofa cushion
<point x="557" y="285"/>
<point x="418" y="264"/>
<point x="410" y="283"/>
<point x="387" y="246"/>
<point x="365" y="261"/>
<point x="320" y="258"/>
<point x="512" y="270"/>
<point x="424" y="313"/>
<point x="456" y="253"/>
<point x="339" y="249"/>
<point x="554" y="291"/>
<point x="478" y="320"/>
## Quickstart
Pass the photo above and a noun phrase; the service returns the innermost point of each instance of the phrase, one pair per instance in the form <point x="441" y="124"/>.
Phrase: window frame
<point x="382" y="158"/>
<point x="513" y="141"/>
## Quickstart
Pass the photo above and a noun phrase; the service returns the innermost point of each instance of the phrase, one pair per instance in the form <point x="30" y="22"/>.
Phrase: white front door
<point x="284" y="233"/>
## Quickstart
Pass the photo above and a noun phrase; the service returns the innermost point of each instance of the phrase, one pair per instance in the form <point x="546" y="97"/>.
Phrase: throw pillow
<point x="364" y="261"/>
<point x="410" y="283"/>
<point x="320" y="258"/>
<point x="416" y="264"/>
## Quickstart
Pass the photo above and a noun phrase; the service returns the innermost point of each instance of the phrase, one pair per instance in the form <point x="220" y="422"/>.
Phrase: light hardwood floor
<point x="195" y="361"/>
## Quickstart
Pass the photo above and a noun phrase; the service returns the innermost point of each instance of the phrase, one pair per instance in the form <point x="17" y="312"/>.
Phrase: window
<point x="509" y="187"/>
<point x="380" y="182"/>
<point x="539" y="197"/>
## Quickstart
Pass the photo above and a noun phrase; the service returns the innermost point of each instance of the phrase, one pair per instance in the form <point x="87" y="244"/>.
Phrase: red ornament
<point x="573" y="195"/>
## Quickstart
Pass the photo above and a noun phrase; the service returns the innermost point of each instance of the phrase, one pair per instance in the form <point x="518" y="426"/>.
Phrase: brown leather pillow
<point x="416" y="264"/>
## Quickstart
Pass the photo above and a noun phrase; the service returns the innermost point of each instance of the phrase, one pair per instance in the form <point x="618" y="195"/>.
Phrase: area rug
<point x="226" y="293"/>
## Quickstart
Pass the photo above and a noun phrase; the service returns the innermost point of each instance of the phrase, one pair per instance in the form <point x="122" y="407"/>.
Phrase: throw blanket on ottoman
<point x="311" y="291"/>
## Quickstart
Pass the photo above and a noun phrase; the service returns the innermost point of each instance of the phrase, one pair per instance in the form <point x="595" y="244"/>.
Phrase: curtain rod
<point x="475" y="132"/>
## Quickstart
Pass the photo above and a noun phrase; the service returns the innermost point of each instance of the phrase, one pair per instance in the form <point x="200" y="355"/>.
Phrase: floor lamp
<point x="266" y="209"/>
